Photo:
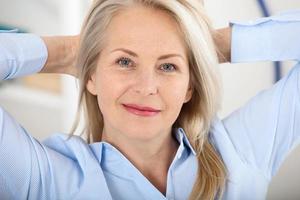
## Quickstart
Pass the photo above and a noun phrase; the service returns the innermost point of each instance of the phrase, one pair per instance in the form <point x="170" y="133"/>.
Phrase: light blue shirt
<point x="253" y="141"/>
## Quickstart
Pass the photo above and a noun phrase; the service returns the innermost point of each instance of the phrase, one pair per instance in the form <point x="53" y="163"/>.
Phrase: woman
<point x="150" y="91"/>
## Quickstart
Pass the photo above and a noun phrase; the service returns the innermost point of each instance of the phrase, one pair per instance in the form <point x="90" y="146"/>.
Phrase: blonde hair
<point x="196" y="115"/>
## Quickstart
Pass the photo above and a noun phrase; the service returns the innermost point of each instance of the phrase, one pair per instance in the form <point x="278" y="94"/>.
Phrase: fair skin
<point x="62" y="51"/>
<point x="155" y="74"/>
<point x="141" y="77"/>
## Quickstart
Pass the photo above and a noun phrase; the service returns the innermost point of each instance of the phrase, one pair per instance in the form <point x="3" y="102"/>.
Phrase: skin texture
<point x="62" y="51"/>
<point x="144" y="79"/>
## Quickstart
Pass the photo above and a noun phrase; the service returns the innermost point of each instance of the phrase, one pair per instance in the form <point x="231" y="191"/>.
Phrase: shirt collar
<point x="183" y="139"/>
<point x="179" y="133"/>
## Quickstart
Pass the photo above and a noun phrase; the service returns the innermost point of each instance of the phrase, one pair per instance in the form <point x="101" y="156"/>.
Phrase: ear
<point x="91" y="85"/>
<point x="188" y="95"/>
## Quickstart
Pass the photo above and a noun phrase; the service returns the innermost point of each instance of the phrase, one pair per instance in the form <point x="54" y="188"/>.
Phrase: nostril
<point x="146" y="83"/>
<point x="146" y="91"/>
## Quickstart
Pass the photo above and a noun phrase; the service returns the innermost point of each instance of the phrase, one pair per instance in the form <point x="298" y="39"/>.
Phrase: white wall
<point x="240" y="81"/>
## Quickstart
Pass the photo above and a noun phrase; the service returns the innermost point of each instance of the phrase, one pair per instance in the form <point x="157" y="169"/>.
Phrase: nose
<point x="146" y="83"/>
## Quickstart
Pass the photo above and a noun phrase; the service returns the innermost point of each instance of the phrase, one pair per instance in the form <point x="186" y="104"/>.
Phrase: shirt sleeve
<point x="23" y="160"/>
<point x="30" y="169"/>
<point x="19" y="155"/>
<point x="267" y="128"/>
<point x="273" y="38"/>
<point x="20" y="54"/>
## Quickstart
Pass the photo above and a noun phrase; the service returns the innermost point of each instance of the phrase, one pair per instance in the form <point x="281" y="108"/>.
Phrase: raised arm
<point x="30" y="169"/>
<point x="274" y="38"/>
<point x="267" y="128"/>
<point x="62" y="52"/>
<point x="20" y="55"/>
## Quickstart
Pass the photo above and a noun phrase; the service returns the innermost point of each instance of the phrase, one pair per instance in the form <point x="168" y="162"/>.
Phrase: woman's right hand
<point x="62" y="54"/>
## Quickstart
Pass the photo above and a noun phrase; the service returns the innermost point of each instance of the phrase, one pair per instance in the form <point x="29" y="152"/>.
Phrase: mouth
<point x="141" y="110"/>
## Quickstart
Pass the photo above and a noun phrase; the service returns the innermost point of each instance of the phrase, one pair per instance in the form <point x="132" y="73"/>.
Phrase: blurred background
<point x="45" y="104"/>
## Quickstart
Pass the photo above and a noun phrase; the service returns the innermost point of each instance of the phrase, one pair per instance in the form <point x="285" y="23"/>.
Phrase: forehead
<point x="145" y="29"/>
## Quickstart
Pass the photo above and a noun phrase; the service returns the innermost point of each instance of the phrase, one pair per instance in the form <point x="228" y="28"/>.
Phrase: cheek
<point x="179" y="89"/>
<point x="108" y="90"/>
<point x="175" y="97"/>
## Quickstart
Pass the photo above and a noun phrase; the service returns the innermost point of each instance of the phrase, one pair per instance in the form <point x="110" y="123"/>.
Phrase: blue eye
<point x="168" y="67"/>
<point x="124" y="62"/>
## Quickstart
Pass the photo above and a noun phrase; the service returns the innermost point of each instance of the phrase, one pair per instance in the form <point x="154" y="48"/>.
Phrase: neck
<point x="152" y="157"/>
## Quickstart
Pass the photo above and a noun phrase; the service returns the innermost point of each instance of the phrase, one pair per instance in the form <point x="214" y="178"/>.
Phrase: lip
<point x="141" y="110"/>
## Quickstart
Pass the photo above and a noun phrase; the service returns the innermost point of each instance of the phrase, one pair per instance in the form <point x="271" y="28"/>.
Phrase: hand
<point x="222" y="39"/>
<point x="62" y="54"/>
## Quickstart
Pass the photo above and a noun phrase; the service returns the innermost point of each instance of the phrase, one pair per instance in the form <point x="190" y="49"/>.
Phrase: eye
<point x="168" y="67"/>
<point x="124" y="62"/>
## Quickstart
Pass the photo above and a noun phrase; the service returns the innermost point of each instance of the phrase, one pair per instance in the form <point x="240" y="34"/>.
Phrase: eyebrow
<point x="160" y="58"/>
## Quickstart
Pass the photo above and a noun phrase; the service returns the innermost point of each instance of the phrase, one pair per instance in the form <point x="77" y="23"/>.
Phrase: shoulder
<point x="226" y="143"/>
<point x="74" y="147"/>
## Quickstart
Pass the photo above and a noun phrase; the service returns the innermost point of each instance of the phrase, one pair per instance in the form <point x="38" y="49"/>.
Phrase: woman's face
<point x="142" y="75"/>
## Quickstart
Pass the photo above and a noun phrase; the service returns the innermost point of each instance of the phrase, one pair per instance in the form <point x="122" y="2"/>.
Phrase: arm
<point x="267" y="128"/>
<point x="25" y="54"/>
<point x="61" y="54"/>
<point x="275" y="38"/>
<point x="259" y="43"/>
<point x="26" y="165"/>
<point x="20" y="55"/>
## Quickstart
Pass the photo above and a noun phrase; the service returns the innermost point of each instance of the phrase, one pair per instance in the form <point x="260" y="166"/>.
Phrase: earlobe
<point x="90" y="85"/>
<point x="189" y="95"/>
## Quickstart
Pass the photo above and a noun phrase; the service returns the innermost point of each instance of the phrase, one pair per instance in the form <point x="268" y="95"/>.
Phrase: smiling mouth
<point x="141" y="111"/>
